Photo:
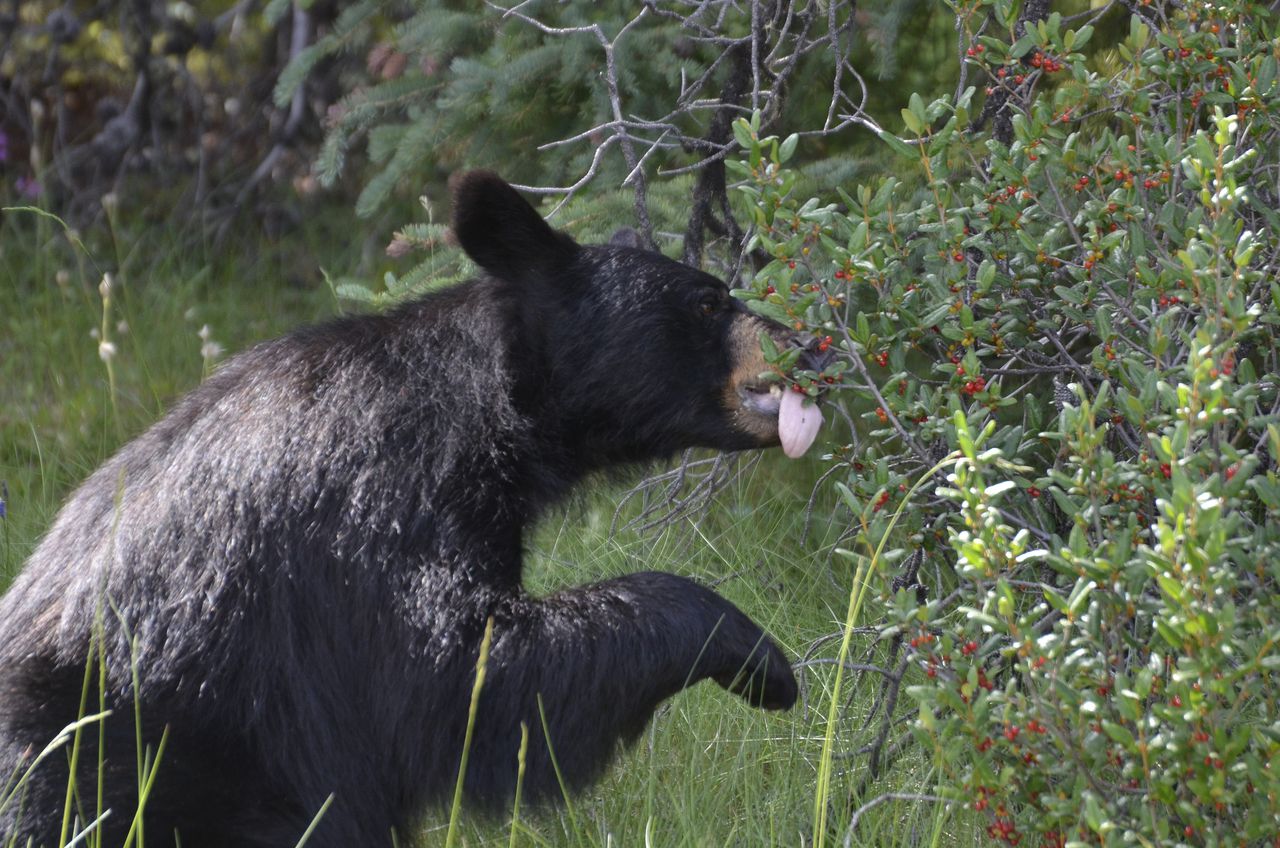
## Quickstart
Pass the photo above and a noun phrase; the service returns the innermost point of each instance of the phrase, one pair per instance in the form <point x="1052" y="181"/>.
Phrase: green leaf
<point x="916" y="105"/>
<point x="899" y="146"/>
<point x="1102" y="320"/>
<point x="1119" y="733"/>
<point x="913" y="122"/>
<point x="354" y="291"/>
<point x="1069" y="295"/>
<point x="1055" y="600"/>
<point x="768" y="347"/>
<point x="772" y="311"/>
<point x="788" y="148"/>
<point x="1023" y="45"/>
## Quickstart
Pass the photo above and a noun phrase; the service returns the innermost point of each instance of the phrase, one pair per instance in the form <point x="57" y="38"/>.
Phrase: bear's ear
<point x="501" y="232"/>
<point x="626" y="237"/>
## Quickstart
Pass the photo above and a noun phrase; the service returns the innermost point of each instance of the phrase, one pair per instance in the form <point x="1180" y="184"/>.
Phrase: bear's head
<point x="628" y="354"/>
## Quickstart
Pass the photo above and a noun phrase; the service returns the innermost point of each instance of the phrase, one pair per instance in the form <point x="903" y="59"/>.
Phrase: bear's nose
<point x="816" y="356"/>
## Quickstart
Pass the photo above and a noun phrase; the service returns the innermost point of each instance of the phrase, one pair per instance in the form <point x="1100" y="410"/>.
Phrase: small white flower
<point x="189" y="315"/>
<point x="62" y="278"/>
<point x="110" y="202"/>
<point x="104" y="287"/>
<point x="210" y="351"/>
<point x="204" y="333"/>
<point x="122" y="328"/>
<point x="95" y="333"/>
<point x="106" y="350"/>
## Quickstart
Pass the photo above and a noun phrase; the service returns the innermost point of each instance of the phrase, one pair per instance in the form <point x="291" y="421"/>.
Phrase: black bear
<point x="279" y="590"/>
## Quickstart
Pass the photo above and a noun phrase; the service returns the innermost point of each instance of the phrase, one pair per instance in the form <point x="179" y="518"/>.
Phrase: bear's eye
<point x="708" y="306"/>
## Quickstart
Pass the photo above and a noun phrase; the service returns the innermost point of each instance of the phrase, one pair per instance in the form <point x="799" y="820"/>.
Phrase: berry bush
<point x="1060" y="319"/>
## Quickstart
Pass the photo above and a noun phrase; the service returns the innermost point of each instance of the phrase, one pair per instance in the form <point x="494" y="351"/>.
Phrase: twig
<point x="880" y="799"/>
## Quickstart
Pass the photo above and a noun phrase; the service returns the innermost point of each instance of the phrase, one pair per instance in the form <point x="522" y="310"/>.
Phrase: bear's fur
<point x="297" y="563"/>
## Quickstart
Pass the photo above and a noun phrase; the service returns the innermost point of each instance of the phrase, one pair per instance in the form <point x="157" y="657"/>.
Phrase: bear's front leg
<point x="586" y="668"/>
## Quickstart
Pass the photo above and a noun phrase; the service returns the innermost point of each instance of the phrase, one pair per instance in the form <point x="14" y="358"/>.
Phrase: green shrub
<point x="1078" y="303"/>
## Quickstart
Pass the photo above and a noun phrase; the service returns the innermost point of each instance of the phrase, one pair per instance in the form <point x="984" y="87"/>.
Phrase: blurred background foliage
<point x="213" y="115"/>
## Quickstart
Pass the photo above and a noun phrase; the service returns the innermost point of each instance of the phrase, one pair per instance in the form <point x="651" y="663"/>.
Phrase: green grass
<point x="708" y="771"/>
<point x="711" y="770"/>
<point x="58" y="420"/>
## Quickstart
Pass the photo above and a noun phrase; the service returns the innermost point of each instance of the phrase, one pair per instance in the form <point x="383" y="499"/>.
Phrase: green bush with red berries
<point x="1062" y="319"/>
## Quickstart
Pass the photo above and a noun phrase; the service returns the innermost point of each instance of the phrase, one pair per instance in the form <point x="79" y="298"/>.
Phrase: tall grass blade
<point x="64" y="736"/>
<point x="555" y="766"/>
<point x="75" y="745"/>
<point x="315" y="821"/>
<point x="146" y="782"/>
<point x="481" y="665"/>
<point x="520" y="764"/>
<point x="861" y="579"/>
<point x="91" y="829"/>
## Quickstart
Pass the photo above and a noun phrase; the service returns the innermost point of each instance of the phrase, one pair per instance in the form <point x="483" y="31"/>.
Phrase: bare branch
<point x="881" y="799"/>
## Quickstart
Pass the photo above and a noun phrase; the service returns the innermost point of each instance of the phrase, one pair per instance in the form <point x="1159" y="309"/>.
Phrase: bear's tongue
<point x="797" y="424"/>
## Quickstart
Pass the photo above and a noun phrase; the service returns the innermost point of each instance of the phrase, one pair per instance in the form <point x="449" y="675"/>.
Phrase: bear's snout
<point x="817" y="355"/>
